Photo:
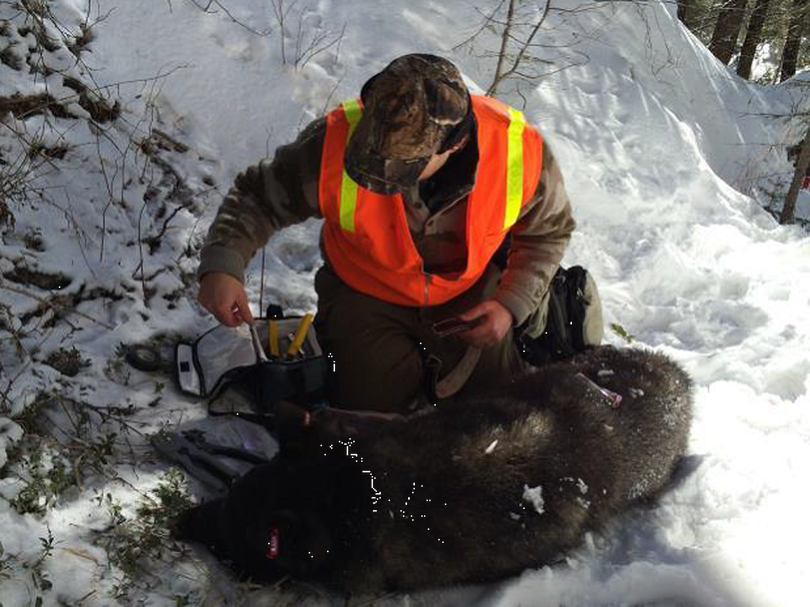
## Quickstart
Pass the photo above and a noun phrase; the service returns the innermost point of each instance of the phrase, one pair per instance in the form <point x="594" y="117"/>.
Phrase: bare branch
<point x="500" y="76"/>
<point x="502" y="52"/>
<point x="488" y="19"/>
<point x="56" y="306"/>
<point x="308" y="42"/>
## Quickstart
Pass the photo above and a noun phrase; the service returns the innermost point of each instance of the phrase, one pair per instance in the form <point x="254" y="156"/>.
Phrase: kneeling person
<point x="420" y="184"/>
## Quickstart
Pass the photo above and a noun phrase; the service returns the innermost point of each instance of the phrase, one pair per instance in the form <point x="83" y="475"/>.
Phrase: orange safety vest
<point x="366" y="235"/>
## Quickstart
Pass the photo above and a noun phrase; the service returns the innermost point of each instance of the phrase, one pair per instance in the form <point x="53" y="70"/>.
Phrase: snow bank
<point x="660" y="146"/>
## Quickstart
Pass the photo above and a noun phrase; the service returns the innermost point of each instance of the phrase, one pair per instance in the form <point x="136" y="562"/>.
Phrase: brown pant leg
<point x="499" y="363"/>
<point x="377" y="345"/>
<point x="374" y="345"/>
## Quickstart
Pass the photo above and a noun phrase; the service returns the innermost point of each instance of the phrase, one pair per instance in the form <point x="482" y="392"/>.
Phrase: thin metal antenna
<point x="261" y="287"/>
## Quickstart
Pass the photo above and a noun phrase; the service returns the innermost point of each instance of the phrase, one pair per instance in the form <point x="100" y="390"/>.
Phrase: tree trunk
<point x="796" y="29"/>
<point x="802" y="165"/>
<point x="687" y="12"/>
<point x="727" y="29"/>
<point x="496" y="80"/>
<point x="752" y="38"/>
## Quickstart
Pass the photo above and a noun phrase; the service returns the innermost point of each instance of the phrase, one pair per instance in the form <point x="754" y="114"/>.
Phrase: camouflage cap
<point x="410" y="111"/>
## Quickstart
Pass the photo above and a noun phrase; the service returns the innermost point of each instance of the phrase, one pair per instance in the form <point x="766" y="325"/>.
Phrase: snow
<point x="667" y="157"/>
<point x="534" y="496"/>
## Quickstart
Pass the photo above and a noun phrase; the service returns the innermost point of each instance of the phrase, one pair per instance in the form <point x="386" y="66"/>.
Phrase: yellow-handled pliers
<point x="300" y="336"/>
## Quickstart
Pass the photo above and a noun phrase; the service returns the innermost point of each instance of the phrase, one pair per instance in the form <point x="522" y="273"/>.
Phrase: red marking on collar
<point x="272" y="544"/>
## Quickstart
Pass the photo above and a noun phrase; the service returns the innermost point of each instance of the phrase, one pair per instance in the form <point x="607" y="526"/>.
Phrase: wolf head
<point x="265" y="536"/>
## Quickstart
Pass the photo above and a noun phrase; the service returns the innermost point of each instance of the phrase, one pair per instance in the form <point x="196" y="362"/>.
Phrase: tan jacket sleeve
<point x="266" y="197"/>
<point x="539" y="239"/>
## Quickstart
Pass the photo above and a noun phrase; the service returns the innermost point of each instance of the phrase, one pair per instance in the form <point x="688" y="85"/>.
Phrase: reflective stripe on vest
<point x="514" y="169"/>
<point x="348" y="187"/>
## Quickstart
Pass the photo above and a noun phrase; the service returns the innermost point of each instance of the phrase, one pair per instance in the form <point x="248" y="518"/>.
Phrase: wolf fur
<point x="476" y="490"/>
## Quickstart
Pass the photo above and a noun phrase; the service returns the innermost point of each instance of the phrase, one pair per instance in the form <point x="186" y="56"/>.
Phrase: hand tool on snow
<point x="202" y="459"/>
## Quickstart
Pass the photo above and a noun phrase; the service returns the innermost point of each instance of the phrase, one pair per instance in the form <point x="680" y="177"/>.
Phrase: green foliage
<point x="67" y="362"/>
<point x="622" y="332"/>
<point x="46" y="474"/>
<point x="47" y="546"/>
<point x="29" y="417"/>
<point x="47" y="466"/>
<point x="5" y="564"/>
<point x="38" y="576"/>
<point x="134" y="544"/>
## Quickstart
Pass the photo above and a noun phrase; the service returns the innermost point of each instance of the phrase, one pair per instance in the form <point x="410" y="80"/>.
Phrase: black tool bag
<point x="225" y="358"/>
<point x="574" y="321"/>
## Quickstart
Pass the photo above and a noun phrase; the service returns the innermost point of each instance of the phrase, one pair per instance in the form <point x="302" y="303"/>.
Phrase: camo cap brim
<point x="409" y="109"/>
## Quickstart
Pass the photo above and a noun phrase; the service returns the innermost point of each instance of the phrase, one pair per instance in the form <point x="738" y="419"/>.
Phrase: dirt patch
<point x="171" y="187"/>
<point x="43" y="280"/>
<point x="80" y="42"/>
<point x="37" y="148"/>
<point x="43" y="39"/>
<point x="33" y="240"/>
<point x="6" y="216"/>
<point x="10" y="58"/>
<point x="25" y="106"/>
<point x="67" y="362"/>
<point x="99" y="108"/>
<point x="160" y="140"/>
<point x="62" y="305"/>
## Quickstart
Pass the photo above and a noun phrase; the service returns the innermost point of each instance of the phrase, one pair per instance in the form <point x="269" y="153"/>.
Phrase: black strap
<point x="560" y="338"/>
<point x="575" y="278"/>
<point x="557" y="326"/>
<point x="431" y="367"/>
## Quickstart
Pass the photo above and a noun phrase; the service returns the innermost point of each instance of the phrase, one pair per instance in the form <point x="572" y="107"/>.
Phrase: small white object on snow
<point x="534" y="495"/>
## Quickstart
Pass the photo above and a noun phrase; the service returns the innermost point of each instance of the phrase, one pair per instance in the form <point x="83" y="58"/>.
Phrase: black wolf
<point x="475" y="490"/>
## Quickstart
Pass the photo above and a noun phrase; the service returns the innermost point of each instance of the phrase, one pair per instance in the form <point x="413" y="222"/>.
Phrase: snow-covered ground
<point x="662" y="149"/>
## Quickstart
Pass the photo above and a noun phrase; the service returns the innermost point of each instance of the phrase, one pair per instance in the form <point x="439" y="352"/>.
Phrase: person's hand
<point x="495" y="321"/>
<point x="225" y="297"/>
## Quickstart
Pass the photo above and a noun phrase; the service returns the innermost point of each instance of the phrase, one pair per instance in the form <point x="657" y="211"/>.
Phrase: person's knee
<point x="377" y="380"/>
